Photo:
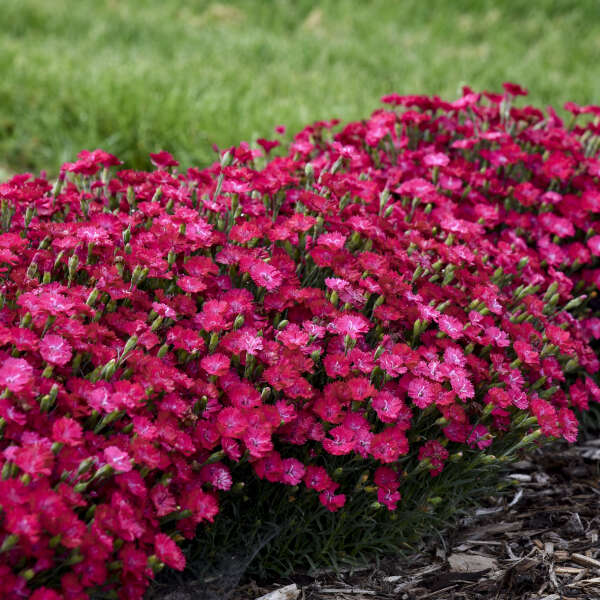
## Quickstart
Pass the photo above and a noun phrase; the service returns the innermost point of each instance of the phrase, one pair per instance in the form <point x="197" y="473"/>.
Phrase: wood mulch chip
<point x="540" y="544"/>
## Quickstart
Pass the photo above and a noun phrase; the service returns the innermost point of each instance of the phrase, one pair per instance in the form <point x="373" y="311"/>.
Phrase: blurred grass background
<point x="136" y="76"/>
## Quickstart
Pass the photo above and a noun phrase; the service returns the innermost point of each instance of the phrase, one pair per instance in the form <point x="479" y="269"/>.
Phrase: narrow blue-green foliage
<point x="270" y="530"/>
<point x="135" y="76"/>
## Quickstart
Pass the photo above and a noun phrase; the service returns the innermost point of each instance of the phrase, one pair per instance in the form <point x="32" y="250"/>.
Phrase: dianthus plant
<point x="164" y="332"/>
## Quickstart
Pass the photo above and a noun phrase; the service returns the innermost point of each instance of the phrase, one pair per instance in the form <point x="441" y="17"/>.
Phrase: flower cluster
<point x="160" y="330"/>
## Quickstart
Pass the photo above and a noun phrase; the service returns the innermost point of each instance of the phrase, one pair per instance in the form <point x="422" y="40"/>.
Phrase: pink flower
<point x="568" y="424"/>
<point x="203" y="505"/>
<point x="55" y="350"/>
<point x="423" y="392"/>
<point x="163" y="159"/>
<point x="386" y="478"/>
<point x="215" y="364"/>
<point x="168" y="552"/>
<point x="389" y="498"/>
<point x="16" y="374"/>
<point x="352" y="325"/>
<point x="451" y="326"/>
<point x="193" y="285"/>
<point x="266" y="276"/>
<point x="257" y="439"/>
<point x="117" y="459"/>
<point x="389" y="445"/>
<point x="36" y="458"/>
<point x="480" y="437"/>
<point x="232" y="422"/>
<point x="436" y="159"/>
<point x="67" y="431"/>
<point x="269" y="467"/>
<point x="387" y="406"/>
<point x="330" y="500"/>
<point x="316" y="478"/>
<point x="293" y="471"/>
<point x="341" y="442"/>
<point x="593" y="244"/>
<point x="437" y="455"/>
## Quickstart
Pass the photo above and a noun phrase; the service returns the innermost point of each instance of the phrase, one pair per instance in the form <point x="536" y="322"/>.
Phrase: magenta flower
<point x="16" y="374"/>
<point x="168" y="552"/>
<point x="120" y="461"/>
<point x="215" y="364"/>
<point x="55" y="350"/>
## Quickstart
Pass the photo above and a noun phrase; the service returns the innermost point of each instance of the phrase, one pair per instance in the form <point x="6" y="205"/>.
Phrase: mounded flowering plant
<point x="388" y="300"/>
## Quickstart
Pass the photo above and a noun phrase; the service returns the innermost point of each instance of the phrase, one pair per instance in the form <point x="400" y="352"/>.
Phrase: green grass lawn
<point x="137" y="76"/>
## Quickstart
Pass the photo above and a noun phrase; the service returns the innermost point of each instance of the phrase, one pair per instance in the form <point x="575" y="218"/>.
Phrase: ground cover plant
<point x="385" y="305"/>
<point x="144" y="74"/>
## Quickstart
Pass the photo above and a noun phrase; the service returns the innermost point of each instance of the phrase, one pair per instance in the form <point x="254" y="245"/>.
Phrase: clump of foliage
<point x="342" y="324"/>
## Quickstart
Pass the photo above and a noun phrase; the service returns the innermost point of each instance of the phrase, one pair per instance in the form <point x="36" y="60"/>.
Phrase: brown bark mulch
<point x="541" y="543"/>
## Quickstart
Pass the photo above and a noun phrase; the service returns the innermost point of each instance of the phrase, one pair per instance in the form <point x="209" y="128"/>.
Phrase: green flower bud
<point x="130" y="344"/>
<point x="214" y="341"/>
<point x="226" y="159"/>
<point x="575" y="302"/>
<point x="157" y="194"/>
<point x="156" y="323"/>
<point x="10" y="541"/>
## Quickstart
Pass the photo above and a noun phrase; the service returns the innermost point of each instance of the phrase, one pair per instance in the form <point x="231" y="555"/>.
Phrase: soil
<point x="541" y="543"/>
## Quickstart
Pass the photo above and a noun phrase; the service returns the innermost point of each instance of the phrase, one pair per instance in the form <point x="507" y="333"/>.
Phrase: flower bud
<point x="456" y="457"/>
<point x="7" y="470"/>
<point x="309" y="171"/>
<point x="76" y="363"/>
<point x="552" y="289"/>
<point x="93" y="296"/>
<point x="523" y="263"/>
<point x="487" y="459"/>
<point x="109" y="369"/>
<point x="534" y="435"/>
<point x="130" y="344"/>
<point x="214" y="341"/>
<point x="73" y="263"/>
<point x="226" y="159"/>
<point x="383" y="199"/>
<point x="215" y="457"/>
<point x="157" y="194"/>
<point x="156" y="323"/>
<point x="539" y="383"/>
<point x="417" y="273"/>
<point x="239" y="322"/>
<point x="525" y="423"/>
<point x="575" y="302"/>
<point x="85" y="465"/>
<point x="46" y="403"/>
<point x="25" y="321"/>
<point x="379" y="301"/>
<point x="127" y="235"/>
<point x="10" y="541"/>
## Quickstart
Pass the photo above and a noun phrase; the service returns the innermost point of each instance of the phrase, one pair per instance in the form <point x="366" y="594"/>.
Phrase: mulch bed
<point x="540" y="544"/>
